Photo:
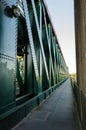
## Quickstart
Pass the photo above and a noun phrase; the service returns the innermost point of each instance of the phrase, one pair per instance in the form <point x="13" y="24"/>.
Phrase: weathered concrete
<point x="80" y="31"/>
<point x="58" y="112"/>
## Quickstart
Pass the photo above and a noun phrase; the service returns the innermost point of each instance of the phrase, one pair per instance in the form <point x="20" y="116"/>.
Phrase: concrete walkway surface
<point x="58" y="112"/>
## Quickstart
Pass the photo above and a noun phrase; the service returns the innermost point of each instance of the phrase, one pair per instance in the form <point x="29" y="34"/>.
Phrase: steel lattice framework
<point x="31" y="61"/>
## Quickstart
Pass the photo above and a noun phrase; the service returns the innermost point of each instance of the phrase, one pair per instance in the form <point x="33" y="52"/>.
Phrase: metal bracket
<point x="12" y="11"/>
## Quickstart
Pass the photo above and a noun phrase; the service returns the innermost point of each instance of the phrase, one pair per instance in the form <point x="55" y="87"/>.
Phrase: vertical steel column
<point x="48" y="42"/>
<point x="28" y="24"/>
<point x="8" y="43"/>
<point x="40" y="48"/>
<point x="57" y="62"/>
<point x="40" y="38"/>
<point x="50" y="51"/>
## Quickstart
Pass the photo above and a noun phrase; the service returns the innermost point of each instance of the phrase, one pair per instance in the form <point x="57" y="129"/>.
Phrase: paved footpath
<point x="58" y="112"/>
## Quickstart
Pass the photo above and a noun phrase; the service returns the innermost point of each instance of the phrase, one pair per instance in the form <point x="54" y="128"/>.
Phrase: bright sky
<point x="62" y="15"/>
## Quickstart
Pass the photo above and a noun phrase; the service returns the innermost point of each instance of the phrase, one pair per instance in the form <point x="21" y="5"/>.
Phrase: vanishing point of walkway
<point x="58" y="112"/>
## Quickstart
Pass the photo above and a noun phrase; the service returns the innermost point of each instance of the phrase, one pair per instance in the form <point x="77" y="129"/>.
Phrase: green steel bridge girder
<point x="33" y="32"/>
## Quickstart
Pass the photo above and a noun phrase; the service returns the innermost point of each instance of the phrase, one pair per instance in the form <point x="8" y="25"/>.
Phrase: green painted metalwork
<point x="40" y="39"/>
<point x="31" y="62"/>
<point x="8" y="33"/>
<point x="48" y="42"/>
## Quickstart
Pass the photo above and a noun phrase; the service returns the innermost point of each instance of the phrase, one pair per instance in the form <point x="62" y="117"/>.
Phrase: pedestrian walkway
<point x="58" y="112"/>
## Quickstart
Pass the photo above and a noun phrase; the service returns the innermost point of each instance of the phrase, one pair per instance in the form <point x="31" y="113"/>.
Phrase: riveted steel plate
<point x="8" y="41"/>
